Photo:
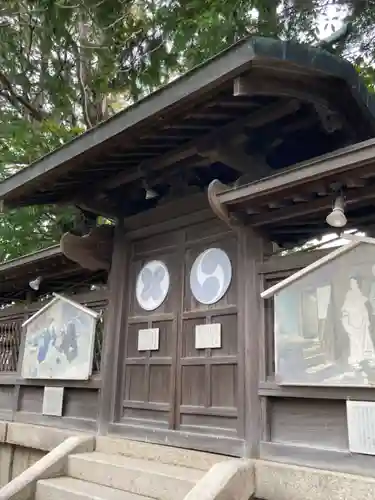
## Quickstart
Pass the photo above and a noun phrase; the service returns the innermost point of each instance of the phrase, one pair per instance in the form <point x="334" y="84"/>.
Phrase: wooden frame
<point x="358" y="156"/>
<point x="289" y="435"/>
<point x="133" y="243"/>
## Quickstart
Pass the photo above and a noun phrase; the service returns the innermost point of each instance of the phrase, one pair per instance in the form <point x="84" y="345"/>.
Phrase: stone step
<point x="143" y="477"/>
<point x="165" y="454"/>
<point x="67" y="488"/>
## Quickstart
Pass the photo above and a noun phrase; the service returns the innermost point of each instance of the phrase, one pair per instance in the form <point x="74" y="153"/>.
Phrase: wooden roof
<point x="57" y="272"/>
<point x="286" y="101"/>
<point x="292" y="205"/>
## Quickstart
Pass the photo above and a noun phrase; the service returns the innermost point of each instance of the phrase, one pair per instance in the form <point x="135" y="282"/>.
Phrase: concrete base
<point x="233" y="479"/>
<point x="130" y="470"/>
<point x="275" y="481"/>
<point x="22" y="447"/>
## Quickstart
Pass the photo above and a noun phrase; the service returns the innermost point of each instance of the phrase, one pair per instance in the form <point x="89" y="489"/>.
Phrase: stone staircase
<point x="128" y="470"/>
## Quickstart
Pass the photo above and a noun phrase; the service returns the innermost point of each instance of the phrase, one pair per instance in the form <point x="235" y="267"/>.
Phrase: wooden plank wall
<point x="303" y="425"/>
<point x="22" y="400"/>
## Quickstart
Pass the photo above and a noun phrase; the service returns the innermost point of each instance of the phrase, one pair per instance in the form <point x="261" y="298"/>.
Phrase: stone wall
<point x="15" y="459"/>
<point x="21" y="445"/>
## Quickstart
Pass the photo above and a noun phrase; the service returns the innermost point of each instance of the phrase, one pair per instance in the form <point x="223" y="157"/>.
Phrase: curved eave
<point x="57" y="272"/>
<point x="291" y="206"/>
<point x="68" y="166"/>
<point x="328" y="166"/>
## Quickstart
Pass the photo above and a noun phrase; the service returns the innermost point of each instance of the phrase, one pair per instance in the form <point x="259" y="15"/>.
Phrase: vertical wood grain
<point x="110" y="370"/>
<point x="250" y="319"/>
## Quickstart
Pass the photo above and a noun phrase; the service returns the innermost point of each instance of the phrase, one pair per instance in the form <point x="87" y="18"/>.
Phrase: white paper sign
<point x="53" y="401"/>
<point x="208" y="336"/>
<point x="148" y="339"/>
<point x="361" y="426"/>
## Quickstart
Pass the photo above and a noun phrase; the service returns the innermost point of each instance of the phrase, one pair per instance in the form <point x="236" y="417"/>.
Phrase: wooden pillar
<point x="114" y="321"/>
<point x="251" y="341"/>
<point x="30" y="297"/>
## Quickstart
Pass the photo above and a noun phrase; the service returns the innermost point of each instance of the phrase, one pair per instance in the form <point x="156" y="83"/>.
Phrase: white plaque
<point x="208" y="336"/>
<point x="148" y="339"/>
<point x="361" y="426"/>
<point x="53" y="401"/>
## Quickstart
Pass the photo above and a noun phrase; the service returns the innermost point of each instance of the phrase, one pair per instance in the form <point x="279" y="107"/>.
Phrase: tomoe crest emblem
<point x="210" y="276"/>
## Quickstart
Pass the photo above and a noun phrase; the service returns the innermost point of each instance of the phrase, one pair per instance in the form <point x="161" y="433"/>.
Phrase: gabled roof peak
<point x="57" y="298"/>
<point x="354" y="241"/>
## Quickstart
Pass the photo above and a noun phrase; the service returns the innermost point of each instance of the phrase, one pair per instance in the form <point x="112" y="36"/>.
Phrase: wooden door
<point x="150" y="375"/>
<point x="207" y="393"/>
<point x="181" y="386"/>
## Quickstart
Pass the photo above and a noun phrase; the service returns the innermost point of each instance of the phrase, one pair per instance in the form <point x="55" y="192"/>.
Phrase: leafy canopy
<point x="67" y="65"/>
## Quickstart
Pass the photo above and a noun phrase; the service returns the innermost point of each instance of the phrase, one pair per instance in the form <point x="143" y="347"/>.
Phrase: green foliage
<point x="66" y="65"/>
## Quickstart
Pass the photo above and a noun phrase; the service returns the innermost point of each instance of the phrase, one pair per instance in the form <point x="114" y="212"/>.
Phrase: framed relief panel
<point x="324" y="321"/>
<point x="210" y="276"/>
<point x="152" y="285"/>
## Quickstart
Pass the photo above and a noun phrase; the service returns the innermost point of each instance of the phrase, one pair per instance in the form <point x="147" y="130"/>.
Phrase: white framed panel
<point x="361" y="426"/>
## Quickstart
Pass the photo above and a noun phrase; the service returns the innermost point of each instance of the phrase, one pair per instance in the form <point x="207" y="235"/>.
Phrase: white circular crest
<point x="210" y="276"/>
<point x="152" y="285"/>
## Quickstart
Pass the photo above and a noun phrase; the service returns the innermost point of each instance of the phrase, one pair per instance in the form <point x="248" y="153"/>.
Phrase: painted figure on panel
<point x="356" y="322"/>
<point x="325" y="320"/>
<point x="59" y="341"/>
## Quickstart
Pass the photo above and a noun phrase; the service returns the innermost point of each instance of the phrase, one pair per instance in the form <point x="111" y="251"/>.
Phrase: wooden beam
<point x="337" y="163"/>
<point x="98" y="207"/>
<point x="292" y="262"/>
<point x="32" y="258"/>
<point x="115" y="318"/>
<point x="301" y="209"/>
<point x="251" y="335"/>
<point x="255" y="119"/>
<point x="253" y="166"/>
<point x="272" y="85"/>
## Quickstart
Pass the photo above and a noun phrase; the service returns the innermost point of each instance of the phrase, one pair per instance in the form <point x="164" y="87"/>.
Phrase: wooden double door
<point x="173" y="384"/>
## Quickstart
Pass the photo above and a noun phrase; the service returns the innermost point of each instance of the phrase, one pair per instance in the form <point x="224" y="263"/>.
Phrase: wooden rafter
<point x="272" y="85"/>
<point x="193" y="147"/>
<point x="352" y="197"/>
<point x="236" y="158"/>
<point x="353" y="161"/>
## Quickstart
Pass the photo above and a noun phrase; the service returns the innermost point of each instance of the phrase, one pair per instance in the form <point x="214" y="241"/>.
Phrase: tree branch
<point x="33" y="112"/>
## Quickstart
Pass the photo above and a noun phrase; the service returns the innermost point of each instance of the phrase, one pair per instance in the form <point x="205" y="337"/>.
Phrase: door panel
<point x="207" y="399"/>
<point x="148" y="374"/>
<point x="178" y="386"/>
